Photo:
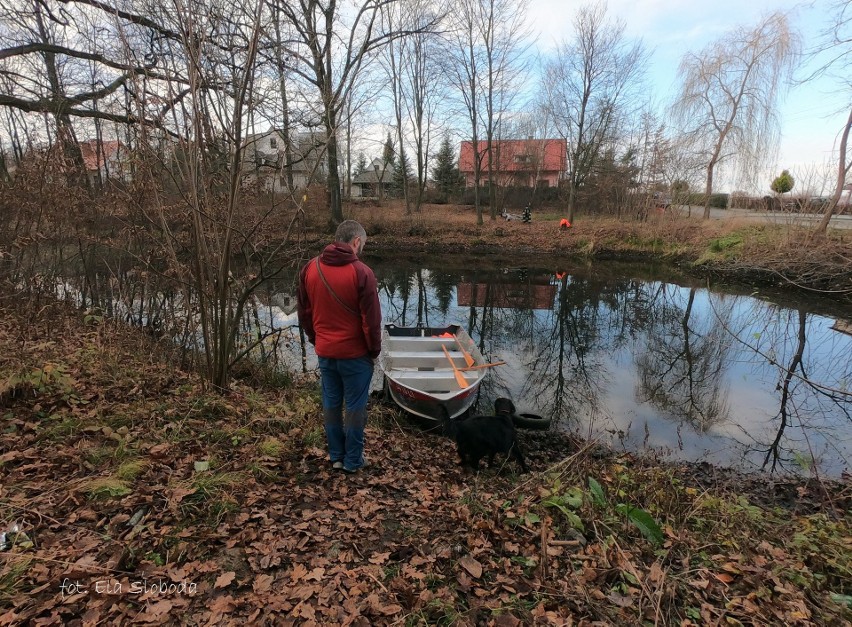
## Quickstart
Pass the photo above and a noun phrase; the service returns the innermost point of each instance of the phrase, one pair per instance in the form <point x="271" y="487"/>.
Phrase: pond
<point x="625" y="355"/>
<point x="638" y="357"/>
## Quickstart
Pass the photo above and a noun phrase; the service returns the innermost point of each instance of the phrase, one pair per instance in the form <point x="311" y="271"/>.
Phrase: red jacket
<point x="333" y="330"/>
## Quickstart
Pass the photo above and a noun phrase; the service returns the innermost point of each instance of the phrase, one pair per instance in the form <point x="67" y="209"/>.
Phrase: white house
<point x="265" y="160"/>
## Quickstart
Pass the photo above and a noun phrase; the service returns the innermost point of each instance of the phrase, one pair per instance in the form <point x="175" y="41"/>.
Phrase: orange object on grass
<point x="564" y="224"/>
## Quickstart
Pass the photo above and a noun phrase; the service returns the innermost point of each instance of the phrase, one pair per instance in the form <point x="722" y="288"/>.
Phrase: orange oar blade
<point x="459" y="376"/>
<point x="468" y="359"/>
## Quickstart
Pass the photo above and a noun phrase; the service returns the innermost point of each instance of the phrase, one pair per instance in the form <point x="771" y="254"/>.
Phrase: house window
<point x="273" y="143"/>
<point x="523" y="159"/>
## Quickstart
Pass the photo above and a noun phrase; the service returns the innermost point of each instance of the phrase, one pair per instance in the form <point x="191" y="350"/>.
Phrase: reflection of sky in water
<point x="606" y="355"/>
<point x="726" y="412"/>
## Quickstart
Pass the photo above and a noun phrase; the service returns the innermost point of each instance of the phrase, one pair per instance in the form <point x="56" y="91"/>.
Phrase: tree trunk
<point x="571" y="200"/>
<point x="335" y="200"/>
<point x="492" y="189"/>
<point x="842" y="171"/>
<point x="708" y="189"/>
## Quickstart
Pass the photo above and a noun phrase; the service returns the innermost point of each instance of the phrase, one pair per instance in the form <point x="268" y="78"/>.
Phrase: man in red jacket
<point x="339" y="311"/>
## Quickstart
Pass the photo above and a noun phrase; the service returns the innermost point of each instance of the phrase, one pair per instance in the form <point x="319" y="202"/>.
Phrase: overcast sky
<point x="811" y="114"/>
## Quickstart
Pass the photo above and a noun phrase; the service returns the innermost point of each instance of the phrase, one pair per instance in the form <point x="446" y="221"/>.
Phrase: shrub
<point x="719" y="201"/>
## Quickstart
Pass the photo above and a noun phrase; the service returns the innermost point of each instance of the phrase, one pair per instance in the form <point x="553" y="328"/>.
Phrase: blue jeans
<point x="345" y="383"/>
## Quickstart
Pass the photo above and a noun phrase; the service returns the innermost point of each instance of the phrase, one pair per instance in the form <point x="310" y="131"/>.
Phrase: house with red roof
<point x="517" y="162"/>
<point x="106" y="160"/>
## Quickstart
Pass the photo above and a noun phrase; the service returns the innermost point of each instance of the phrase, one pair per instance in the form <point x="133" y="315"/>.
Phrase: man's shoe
<point x="352" y="471"/>
<point x="337" y="465"/>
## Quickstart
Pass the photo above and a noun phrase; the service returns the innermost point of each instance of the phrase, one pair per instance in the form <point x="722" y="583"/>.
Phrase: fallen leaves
<point x="291" y="540"/>
<point x="472" y="566"/>
<point x="225" y="579"/>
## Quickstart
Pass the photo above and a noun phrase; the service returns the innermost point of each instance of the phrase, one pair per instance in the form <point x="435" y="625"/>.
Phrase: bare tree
<point x="836" y="41"/>
<point x="503" y="32"/>
<point x="47" y="57"/>
<point x="588" y="85"/>
<point x="729" y="93"/>
<point x="485" y="63"/>
<point x="413" y="71"/>
<point x="465" y="66"/>
<point x="333" y="68"/>
<point x="393" y="60"/>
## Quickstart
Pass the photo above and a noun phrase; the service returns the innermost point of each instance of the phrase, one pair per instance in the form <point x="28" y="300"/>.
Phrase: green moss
<point x="722" y="244"/>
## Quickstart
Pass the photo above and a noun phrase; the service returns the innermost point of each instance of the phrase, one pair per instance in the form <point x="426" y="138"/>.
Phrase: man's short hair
<point x="348" y="230"/>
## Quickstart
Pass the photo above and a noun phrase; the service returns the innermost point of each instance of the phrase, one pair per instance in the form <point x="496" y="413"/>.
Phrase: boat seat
<point x="400" y="373"/>
<point x="418" y="343"/>
<point x="431" y="382"/>
<point x="423" y="360"/>
<point x="424" y="354"/>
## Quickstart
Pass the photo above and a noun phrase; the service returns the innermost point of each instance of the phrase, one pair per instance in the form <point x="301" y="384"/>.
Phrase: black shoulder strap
<point x="333" y="293"/>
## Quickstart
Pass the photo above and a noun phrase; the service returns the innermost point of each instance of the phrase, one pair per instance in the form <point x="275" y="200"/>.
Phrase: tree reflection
<point x="773" y="454"/>
<point x="813" y="371"/>
<point x="576" y="350"/>
<point x="681" y="370"/>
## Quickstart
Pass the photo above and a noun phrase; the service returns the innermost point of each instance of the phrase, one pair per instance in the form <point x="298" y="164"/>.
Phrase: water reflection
<point x="682" y="362"/>
<point x="645" y="364"/>
<point x="613" y="352"/>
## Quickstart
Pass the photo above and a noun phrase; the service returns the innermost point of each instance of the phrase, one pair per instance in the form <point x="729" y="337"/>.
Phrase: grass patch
<point x="211" y="494"/>
<point x="722" y="248"/>
<point x="106" y="488"/>
<point x="208" y="485"/>
<point x="66" y="426"/>
<point x="97" y="455"/>
<point x="271" y="447"/>
<point x="12" y="574"/>
<point x="118" y="420"/>
<point x="726" y="243"/>
<point x="314" y="437"/>
<point x="129" y="470"/>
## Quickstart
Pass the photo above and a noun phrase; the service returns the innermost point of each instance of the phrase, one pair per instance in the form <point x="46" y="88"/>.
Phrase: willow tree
<point x="729" y="94"/>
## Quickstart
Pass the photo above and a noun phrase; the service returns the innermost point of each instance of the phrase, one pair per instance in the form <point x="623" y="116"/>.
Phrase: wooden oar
<point x="459" y="376"/>
<point x="491" y="365"/>
<point x="468" y="358"/>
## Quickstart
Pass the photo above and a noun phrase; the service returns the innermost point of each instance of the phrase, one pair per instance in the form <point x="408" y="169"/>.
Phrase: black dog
<point x="485" y="436"/>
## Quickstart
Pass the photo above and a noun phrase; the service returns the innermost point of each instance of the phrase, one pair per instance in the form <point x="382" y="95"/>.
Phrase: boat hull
<point x="420" y="376"/>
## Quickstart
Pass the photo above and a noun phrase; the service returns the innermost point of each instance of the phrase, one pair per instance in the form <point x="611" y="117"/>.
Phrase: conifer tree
<point x="361" y="164"/>
<point x="401" y="175"/>
<point x="446" y="173"/>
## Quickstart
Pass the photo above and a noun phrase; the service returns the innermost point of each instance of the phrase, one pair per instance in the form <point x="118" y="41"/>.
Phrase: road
<point x="770" y="217"/>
